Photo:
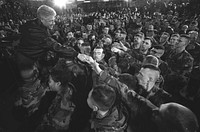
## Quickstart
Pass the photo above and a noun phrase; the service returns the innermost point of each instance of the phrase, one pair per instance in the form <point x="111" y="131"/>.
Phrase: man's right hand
<point x="91" y="61"/>
<point x="116" y="50"/>
<point x="81" y="57"/>
<point x="85" y="58"/>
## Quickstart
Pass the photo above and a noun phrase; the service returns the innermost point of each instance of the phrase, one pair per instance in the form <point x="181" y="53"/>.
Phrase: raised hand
<point x="89" y="59"/>
<point x="81" y="57"/>
<point x="116" y="50"/>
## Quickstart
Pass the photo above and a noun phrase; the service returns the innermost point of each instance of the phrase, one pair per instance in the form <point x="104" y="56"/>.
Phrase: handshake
<point x="116" y="50"/>
<point x="86" y="58"/>
<point x="91" y="61"/>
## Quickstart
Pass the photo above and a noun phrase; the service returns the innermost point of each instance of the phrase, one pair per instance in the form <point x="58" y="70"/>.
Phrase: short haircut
<point x="98" y="47"/>
<point x="137" y="26"/>
<point x="140" y="34"/>
<point x="185" y="26"/>
<point x="175" y="35"/>
<point x="106" y="27"/>
<point x="148" y="38"/>
<point x="80" y="39"/>
<point x="185" y="36"/>
<point x="70" y="32"/>
<point x="159" y="47"/>
<point x="85" y="44"/>
<point x="165" y="33"/>
<point x="193" y="32"/>
<point x="194" y="23"/>
<point x="151" y="62"/>
<point x="107" y="36"/>
<point x="104" y="96"/>
<point x="45" y="11"/>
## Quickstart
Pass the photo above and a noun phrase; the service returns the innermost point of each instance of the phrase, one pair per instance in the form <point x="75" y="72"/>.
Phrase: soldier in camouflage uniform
<point x="194" y="49"/>
<point x="180" y="63"/>
<point x="31" y="91"/>
<point x="60" y="112"/>
<point x="133" y="54"/>
<point x="109" y="114"/>
<point x="170" y="45"/>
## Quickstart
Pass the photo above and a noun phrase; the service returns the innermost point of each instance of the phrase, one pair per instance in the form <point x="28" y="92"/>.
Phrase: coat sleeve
<point x="61" y="50"/>
<point x="133" y="100"/>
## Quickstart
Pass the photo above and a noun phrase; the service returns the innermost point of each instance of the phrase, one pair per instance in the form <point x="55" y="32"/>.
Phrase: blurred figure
<point x="85" y="48"/>
<point x="105" y="32"/>
<point x="164" y="38"/>
<point x="158" y="51"/>
<point x="60" y="112"/>
<point x="175" y="117"/>
<point x="181" y="64"/>
<point x="194" y="47"/>
<point x="98" y="56"/>
<point x="184" y="29"/>
<point x="138" y="40"/>
<point x="193" y="26"/>
<point x="70" y="40"/>
<point x="132" y="30"/>
<point x="146" y="45"/>
<point x="174" y="39"/>
<point x="151" y="34"/>
<point x="78" y="45"/>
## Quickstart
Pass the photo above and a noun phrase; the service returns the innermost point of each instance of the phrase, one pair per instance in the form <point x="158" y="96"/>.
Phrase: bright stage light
<point x="62" y="3"/>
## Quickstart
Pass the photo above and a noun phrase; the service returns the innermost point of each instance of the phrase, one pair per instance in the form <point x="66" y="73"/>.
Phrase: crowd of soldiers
<point x="137" y="70"/>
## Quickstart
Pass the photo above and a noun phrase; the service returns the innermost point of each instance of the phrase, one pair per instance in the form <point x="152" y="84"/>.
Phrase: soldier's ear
<point x="58" y="83"/>
<point x="95" y="108"/>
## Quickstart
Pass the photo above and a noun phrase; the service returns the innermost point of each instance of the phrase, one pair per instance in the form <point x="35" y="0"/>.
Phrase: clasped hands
<point x="86" y="58"/>
<point x="91" y="61"/>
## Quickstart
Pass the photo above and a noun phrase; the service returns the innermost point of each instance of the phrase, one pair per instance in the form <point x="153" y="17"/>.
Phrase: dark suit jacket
<point x="36" y="41"/>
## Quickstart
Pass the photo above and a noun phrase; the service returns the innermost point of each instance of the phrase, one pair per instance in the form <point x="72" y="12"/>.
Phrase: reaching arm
<point x="60" y="49"/>
<point x="129" y="96"/>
